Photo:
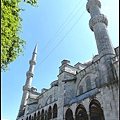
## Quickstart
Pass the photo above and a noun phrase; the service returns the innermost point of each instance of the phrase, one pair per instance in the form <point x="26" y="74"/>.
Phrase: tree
<point x="11" y="44"/>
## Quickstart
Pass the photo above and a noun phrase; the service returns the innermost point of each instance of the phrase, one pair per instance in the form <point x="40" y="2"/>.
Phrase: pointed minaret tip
<point x="36" y="46"/>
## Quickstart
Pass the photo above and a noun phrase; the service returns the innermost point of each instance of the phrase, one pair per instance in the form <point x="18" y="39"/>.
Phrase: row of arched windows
<point x="45" y="115"/>
<point x="96" y="112"/>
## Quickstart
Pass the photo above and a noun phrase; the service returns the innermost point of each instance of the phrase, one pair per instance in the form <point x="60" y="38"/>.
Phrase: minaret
<point x="98" y="24"/>
<point x="27" y="86"/>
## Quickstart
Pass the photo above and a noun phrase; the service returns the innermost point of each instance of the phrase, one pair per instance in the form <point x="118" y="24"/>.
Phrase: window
<point x="27" y="118"/>
<point x="96" y="112"/>
<point x="42" y="115"/>
<point x="81" y="113"/>
<point x="69" y="114"/>
<point x="49" y="100"/>
<point x="80" y="90"/>
<point x="55" y="111"/>
<point x="49" y="113"/>
<point x="46" y="115"/>
<point x="30" y="117"/>
<point x="88" y="84"/>
<point x="35" y="116"/>
<point x="38" y="116"/>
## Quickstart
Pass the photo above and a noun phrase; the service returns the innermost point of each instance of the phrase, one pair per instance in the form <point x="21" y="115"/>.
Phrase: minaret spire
<point x="32" y="63"/>
<point x="98" y="24"/>
<point x="35" y="49"/>
<point x="27" y="86"/>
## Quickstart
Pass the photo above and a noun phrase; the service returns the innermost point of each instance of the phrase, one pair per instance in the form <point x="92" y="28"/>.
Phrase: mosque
<point x="85" y="91"/>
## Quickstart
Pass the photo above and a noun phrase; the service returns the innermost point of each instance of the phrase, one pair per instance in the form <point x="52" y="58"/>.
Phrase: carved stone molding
<point x="92" y="3"/>
<point x="98" y="19"/>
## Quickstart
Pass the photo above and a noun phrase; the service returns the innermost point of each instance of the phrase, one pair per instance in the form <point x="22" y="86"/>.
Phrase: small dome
<point x="65" y="61"/>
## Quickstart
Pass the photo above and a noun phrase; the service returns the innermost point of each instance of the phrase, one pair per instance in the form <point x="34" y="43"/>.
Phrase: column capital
<point x="98" y="19"/>
<point x="92" y="3"/>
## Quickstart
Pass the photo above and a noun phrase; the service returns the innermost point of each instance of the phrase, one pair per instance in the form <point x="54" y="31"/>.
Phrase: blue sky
<point x="62" y="33"/>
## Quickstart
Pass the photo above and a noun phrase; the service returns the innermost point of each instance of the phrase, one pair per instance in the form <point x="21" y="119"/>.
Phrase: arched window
<point x="27" y="118"/>
<point x="34" y="116"/>
<point x="46" y="115"/>
<point x="42" y="115"/>
<point x="69" y="114"/>
<point x="80" y="113"/>
<point x="49" y="100"/>
<point x="80" y="90"/>
<point x="38" y="116"/>
<point x="30" y="117"/>
<point x="55" y="111"/>
<point x="96" y="112"/>
<point x="88" y="83"/>
<point x="49" y="113"/>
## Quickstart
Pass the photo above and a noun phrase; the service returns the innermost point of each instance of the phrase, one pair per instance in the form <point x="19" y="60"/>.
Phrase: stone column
<point x="61" y="89"/>
<point x="88" y="113"/>
<point x="98" y="24"/>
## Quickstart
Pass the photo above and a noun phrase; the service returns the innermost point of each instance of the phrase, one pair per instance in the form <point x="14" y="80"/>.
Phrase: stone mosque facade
<point x="85" y="91"/>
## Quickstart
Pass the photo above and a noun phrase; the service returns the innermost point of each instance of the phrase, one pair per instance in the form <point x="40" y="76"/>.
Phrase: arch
<point x="88" y="83"/>
<point x="38" y="115"/>
<point x="96" y="112"/>
<point x="35" y="116"/>
<point x="49" y="113"/>
<point x="30" y="117"/>
<point x="69" y="114"/>
<point x="80" y="89"/>
<point x="42" y="114"/>
<point x="27" y="118"/>
<point x="80" y="113"/>
<point x="55" y="111"/>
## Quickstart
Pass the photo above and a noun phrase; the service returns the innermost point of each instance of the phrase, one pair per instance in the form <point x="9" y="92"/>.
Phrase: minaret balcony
<point x="32" y="62"/>
<point x="29" y="74"/>
<point x="98" y="19"/>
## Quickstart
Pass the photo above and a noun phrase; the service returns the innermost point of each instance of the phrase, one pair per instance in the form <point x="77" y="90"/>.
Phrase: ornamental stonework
<point x="98" y="19"/>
